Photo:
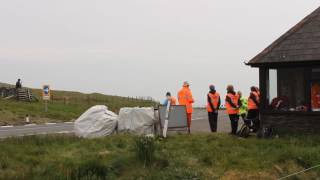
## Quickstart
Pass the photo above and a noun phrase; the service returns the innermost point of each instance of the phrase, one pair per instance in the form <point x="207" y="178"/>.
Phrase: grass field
<point x="201" y="156"/>
<point x="65" y="106"/>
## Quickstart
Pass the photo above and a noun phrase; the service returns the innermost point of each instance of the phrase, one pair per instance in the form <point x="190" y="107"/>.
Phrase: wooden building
<point x="289" y="72"/>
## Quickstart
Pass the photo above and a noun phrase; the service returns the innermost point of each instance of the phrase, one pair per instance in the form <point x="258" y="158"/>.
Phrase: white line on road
<point x="6" y="126"/>
<point x="64" y="132"/>
<point x="197" y="119"/>
<point x="206" y="117"/>
<point x="30" y="125"/>
<point x="68" y="122"/>
<point x="50" y="123"/>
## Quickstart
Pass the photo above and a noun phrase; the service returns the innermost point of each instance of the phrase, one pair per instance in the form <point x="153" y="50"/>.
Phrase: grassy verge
<point x="64" y="106"/>
<point x="201" y="156"/>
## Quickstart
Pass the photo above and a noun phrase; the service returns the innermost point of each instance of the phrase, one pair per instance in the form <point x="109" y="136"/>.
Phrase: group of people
<point x="235" y="103"/>
<point x="236" y="106"/>
<point x="184" y="98"/>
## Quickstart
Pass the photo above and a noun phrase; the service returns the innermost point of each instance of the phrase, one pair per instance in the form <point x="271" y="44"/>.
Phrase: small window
<point x="273" y="84"/>
<point x="286" y="89"/>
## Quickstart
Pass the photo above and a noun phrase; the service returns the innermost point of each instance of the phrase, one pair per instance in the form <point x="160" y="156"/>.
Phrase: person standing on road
<point x="253" y="108"/>
<point x="232" y="105"/>
<point x="213" y="105"/>
<point x="170" y="99"/>
<point x="185" y="98"/>
<point x="243" y="110"/>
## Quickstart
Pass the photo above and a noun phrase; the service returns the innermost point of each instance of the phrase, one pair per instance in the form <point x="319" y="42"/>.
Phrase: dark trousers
<point x="234" y="119"/>
<point x="189" y="119"/>
<point x="245" y="120"/>
<point x="213" y="121"/>
<point x="253" y="115"/>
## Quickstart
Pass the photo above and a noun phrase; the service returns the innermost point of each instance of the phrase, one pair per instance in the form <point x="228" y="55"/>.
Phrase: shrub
<point x="145" y="149"/>
<point x="92" y="169"/>
<point x="4" y="163"/>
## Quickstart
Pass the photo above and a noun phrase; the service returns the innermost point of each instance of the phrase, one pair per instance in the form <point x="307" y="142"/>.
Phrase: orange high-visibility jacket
<point x="251" y="103"/>
<point x="235" y="100"/>
<point x="185" y="98"/>
<point x="173" y="101"/>
<point x="214" y="100"/>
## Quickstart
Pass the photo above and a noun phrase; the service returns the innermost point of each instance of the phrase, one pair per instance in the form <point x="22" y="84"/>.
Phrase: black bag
<point x="266" y="133"/>
<point x="244" y="131"/>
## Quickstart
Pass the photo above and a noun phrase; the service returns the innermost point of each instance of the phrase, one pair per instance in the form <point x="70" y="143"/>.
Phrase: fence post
<point x="88" y="99"/>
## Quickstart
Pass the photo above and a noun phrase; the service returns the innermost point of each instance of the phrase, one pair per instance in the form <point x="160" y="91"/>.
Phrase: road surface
<point x="33" y="129"/>
<point x="200" y="121"/>
<point x="199" y="124"/>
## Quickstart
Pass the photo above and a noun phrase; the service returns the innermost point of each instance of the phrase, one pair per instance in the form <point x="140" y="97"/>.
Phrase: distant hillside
<point x="64" y="106"/>
<point x="5" y="85"/>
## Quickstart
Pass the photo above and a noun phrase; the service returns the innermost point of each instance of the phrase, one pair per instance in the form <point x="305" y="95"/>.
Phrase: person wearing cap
<point x="233" y="104"/>
<point x="185" y="98"/>
<point x="170" y="99"/>
<point x="213" y="104"/>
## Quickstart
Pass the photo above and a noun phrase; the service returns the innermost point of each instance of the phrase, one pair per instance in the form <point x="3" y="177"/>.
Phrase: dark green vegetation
<point x="145" y="150"/>
<point x="65" y="106"/>
<point x="201" y="156"/>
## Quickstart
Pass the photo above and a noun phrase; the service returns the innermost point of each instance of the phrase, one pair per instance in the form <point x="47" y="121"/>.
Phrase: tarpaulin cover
<point x="97" y="121"/>
<point x="136" y="120"/>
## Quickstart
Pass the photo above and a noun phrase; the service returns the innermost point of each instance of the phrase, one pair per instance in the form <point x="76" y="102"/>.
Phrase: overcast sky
<point x="140" y="47"/>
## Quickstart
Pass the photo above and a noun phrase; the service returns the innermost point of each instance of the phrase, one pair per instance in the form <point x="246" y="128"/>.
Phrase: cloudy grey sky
<point x="140" y="47"/>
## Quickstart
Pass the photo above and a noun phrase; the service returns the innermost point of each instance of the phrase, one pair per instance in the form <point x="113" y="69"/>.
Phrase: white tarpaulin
<point x="97" y="121"/>
<point x="136" y="120"/>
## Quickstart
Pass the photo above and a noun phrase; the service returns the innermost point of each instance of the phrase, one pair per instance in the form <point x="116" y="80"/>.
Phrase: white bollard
<point x="166" y="121"/>
<point x="165" y="128"/>
<point x="27" y="119"/>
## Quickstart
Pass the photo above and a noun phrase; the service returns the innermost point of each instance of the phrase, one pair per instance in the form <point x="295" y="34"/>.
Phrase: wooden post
<point x="264" y="87"/>
<point x="88" y="99"/>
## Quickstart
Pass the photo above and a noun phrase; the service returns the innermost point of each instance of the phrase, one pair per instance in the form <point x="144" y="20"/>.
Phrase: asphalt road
<point x="33" y="129"/>
<point x="199" y="124"/>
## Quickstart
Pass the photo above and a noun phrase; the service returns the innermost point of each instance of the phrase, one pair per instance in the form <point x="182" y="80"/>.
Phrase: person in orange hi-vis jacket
<point x="185" y="98"/>
<point x="233" y="104"/>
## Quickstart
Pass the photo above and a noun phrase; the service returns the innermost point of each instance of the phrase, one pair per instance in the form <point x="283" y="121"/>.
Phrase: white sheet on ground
<point x="97" y="121"/>
<point x="136" y="120"/>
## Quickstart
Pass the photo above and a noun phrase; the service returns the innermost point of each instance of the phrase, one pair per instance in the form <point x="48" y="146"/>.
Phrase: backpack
<point x="266" y="133"/>
<point x="244" y="131"/>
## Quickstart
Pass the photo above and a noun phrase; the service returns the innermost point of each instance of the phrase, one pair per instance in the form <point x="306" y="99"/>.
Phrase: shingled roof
<point x="299" y="44"/>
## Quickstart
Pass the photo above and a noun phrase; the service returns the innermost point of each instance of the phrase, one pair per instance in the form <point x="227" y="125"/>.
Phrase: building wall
<point x="292" y="122"/>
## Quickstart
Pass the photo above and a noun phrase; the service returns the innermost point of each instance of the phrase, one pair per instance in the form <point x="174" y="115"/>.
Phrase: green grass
<point x="197" y="156"/>
<point x="65" y="106"/>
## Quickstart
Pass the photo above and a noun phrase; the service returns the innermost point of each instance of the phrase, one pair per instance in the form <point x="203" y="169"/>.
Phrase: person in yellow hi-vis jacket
<point x="243" y="110"/>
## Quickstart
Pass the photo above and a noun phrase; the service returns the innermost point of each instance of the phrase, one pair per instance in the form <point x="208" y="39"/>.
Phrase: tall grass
<point x="201" y="156"/>
<point x="145" y="147"/>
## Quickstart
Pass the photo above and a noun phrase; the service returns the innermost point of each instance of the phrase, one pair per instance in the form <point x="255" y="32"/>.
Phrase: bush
<point x="92" y="169"/>
<point x="4" y="163"/>
<point x="145" y="149"/>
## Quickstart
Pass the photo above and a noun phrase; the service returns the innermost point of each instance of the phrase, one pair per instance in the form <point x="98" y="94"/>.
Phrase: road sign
<point x="175" y="119"/>
<point x="46" y="93"/>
